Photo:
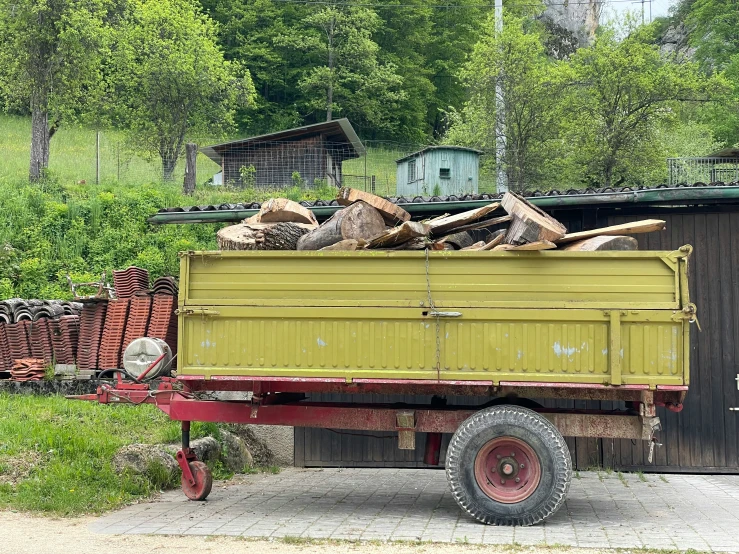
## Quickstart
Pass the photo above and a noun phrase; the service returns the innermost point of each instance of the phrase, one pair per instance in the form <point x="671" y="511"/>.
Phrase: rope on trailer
<point x="432" y="309"/>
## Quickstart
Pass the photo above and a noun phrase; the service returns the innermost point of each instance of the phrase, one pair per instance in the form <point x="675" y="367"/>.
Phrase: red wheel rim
<point x="203" y="481"/>
<point x="507" y="470"/>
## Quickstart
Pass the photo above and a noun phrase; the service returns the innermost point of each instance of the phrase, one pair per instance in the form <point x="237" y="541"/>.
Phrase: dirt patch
<point x="14" y="469"/>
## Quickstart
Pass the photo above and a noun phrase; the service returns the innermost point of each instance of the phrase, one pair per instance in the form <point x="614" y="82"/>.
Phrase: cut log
<point x="347" y="245"/>
<point x="458" y="240"/>
<point x="276" y="236"/>
<point x="282" y="210"/>
<point x="477" y="246"/>
<point x="391" y="213"/>
<point x="603" y="242"/>
<point x="530" y="224"/>
<point x="442" y="226"/>
<point x="419" y="243"/>
<point x="358" y="221"/>
<point x="530" y="246"/>
<point x="398" y="235"/>
<point x="495" y="242"/>
<point x="477" y="225"/>
<point x="636" y="227"/>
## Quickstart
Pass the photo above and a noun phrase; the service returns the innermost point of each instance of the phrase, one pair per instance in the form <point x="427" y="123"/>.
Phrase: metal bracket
<point x="434" y="313"/>
<point x="196" y="311"/>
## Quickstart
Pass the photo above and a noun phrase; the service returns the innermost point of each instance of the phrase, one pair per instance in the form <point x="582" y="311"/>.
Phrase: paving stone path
<point x="603" y="510"/>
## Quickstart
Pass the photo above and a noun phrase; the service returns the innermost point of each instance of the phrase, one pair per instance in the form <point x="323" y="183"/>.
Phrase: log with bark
<point x="391" y="213"/>
<point x="636" y="227"/>
<point x="476" y="246"/>
<point x="399" y="235"/>
<point x="458" y="240"/>
<point x="530" y="224"/>
<point x="261" y="236"/>
<point x="358" y="221"/>
<point x="603" y="242"/>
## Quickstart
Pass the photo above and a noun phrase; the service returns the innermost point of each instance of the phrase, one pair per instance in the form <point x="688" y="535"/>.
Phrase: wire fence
<point x="683" y="171"/>
<point x="311" y="163"/>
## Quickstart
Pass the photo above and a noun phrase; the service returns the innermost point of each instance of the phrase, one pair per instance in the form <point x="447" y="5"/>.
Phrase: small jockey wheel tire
<point x="203" y="481"/>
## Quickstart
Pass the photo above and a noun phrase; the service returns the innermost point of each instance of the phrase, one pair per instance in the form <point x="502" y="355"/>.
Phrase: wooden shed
<point x="439" y="170"/>
<point x="304" y="155"/>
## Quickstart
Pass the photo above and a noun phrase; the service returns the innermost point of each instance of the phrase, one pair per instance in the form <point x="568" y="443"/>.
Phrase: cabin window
<point x="445" y="173"/>
<point x="411" y="171"/>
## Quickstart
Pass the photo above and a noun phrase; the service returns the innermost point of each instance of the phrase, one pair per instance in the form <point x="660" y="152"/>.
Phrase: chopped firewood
<point x="477" y="246"/>
<point x="476" y="225"/>
<point x="458" y="240"/>
<point x="644" y="226"/>
<point x="391" y="213"/>
<point x="282" y="210"/>
<point x="358" y="221"/>
<point x="440" y="227"/>
<point x="538" y="245"/>
<point x="261" y="236"/>
<point x="495" y="242"/>
<point x="419" y="243"/>
<point x="530" y="224"/>
<point x="347" y="244"/>
<point x="603" y="242"/>
<point x="400" y="234"/>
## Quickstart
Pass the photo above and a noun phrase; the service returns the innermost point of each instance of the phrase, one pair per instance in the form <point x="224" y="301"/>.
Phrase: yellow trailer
<point x="508" y="327"/>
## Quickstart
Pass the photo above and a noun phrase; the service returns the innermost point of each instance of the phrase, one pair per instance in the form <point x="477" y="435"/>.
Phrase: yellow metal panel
<point x="232" y="321"/>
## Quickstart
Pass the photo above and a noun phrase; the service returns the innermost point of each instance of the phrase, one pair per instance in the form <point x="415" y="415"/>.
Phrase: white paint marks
<point x="567" y="351"/>
<point x="320" y="342"/>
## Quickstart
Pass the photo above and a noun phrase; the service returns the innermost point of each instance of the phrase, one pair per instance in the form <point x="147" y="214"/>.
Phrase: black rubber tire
<point x="529" y="427"/>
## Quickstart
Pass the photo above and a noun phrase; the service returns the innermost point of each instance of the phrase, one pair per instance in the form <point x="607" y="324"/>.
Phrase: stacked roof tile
<point x="28" y="369"/>
<point x="92" y="320"/>
<point x="137" y="323"/>
<point x="40" y="339"/>
<point x="17" y="334"/>
<point x="163" y="323"/>
<point x="165" y="285"/>
<point x="128" y="282"/>
<point x="5" y="360"/>
<point x="113" y="331"/>
<point x="64" y="336"/>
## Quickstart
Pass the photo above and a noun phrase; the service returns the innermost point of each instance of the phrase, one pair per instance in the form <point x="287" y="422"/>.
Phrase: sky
<point x="659" y="8"/>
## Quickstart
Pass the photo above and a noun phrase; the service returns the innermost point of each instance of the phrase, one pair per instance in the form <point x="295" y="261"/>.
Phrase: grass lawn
<point x="55" y="454"/>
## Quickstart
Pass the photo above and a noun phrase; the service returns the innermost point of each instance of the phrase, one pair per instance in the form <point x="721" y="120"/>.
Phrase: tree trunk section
<point x="39" y="144"/>
<point x="191" y="156"/>
<point x="358" y="221"/>
<point x="279" y="236"/>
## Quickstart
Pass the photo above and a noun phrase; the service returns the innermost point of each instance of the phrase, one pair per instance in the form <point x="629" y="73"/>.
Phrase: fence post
<point x="97" y="159"/>
<point x="191" y="155"/>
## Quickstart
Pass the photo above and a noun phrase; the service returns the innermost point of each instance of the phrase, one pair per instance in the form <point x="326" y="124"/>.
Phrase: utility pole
<point x="501" y="180"/>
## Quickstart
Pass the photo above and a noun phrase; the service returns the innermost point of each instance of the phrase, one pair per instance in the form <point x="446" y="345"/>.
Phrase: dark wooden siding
<point x="701" y="438"/>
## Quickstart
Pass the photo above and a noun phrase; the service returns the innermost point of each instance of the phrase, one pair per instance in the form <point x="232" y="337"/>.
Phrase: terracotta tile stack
<point x="17" y="334"/>
<point x="113" y="331"/>
<point x="163" y="324"/>
<point x="40" y="339"/>
<point x="28" y="369"/>
<point x="165" y="285"/>
<point x="137" y="323"/>
<point x="6" y="362"/>
<point x="92" y="320"/>
<point x="128" y="282"/>
<point x="64" y="335"/>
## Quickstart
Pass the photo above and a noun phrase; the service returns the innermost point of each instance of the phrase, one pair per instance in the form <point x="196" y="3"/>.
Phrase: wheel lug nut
<point x="518" y="479"/>
<point x="521" y="466"/>
<point x="502" y="481"/>
<point x="498" y="456"/>
<point x="513" y="453"/>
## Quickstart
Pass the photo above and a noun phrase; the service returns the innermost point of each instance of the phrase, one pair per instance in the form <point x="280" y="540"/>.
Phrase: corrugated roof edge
<point x="419" y="205"/>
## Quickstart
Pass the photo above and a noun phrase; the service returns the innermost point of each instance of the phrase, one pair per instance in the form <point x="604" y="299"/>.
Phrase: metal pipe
<point x="185" y="436"/>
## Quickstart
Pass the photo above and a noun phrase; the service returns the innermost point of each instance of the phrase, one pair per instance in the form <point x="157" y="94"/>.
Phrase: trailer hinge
<point x="196" y="311"/>
<point x="689" y="313"/>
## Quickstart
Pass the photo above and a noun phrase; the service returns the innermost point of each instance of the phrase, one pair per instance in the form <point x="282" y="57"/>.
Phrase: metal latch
<point x="434" y="313"/>
<point x="197" y="311"/>
<point x="689" y="312"/>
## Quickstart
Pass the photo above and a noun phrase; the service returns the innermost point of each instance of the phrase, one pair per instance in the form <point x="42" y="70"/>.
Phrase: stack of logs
<point x="368" y="222"/>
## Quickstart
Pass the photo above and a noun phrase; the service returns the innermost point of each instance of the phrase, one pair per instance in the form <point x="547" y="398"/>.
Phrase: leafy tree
<point x="715" y="31"/>
<point x="50" y="63"/>
<point x="169" y="80"/>
<point x="621" y="91"/>
<point x="511" y="70"/>
<point x="343" y="74"/>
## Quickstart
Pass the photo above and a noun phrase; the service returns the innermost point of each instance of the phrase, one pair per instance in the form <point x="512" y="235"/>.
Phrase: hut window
<point x="411" y="171"/>
<point x="445" y="173"/>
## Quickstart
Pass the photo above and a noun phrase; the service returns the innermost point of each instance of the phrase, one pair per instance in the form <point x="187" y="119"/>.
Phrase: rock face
<point x="575" y="23"/>
<point x="206" y="449"/>
<point x="675" y="42"/>
<point x="138" y="458"/>
<point x="234" y="454"/>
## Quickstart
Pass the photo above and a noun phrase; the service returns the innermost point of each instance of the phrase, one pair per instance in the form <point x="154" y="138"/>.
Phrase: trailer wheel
<point x="507" y="465"/>
<point x="203" y="481"/>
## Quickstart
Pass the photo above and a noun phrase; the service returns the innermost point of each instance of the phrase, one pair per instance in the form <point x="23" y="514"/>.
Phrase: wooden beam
<point x="633" y="228"/>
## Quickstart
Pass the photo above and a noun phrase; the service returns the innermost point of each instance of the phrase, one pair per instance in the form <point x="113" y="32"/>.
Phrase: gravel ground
<point x="24" y="534"/>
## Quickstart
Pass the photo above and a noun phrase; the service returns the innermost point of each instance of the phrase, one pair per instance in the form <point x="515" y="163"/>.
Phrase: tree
<point x="50" y="63"/>
<point x="715" y="31"/>
<point x="168" y="79"/>
<point x="620" y="91"/>
<point x="513" y="71"/>
<point x="343" y="74"/>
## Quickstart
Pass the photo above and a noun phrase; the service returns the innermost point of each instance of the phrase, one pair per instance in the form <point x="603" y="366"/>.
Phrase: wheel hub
<point x="507" y="470"/>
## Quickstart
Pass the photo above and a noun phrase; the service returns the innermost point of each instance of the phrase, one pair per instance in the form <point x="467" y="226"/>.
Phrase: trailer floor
<point x="603" y="511"/>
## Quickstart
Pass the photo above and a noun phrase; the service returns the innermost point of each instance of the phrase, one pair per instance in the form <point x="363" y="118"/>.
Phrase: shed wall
<point x="463" y="169"/>
<point x="702" y="438"/>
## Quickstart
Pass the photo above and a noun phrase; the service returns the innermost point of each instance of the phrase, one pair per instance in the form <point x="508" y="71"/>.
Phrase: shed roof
<point x="337" y="130"/>
<point x="731" y="152"/>
<point x="439" y="147"/>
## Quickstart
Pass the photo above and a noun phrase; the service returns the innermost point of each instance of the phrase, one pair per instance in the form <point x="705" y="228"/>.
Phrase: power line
<point x="443" y="6"/>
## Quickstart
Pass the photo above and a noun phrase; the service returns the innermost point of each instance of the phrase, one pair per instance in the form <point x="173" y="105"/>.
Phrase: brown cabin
<point x="305" y="155"/>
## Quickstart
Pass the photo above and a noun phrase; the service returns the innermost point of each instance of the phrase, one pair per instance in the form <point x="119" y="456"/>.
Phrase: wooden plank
<point x="603" y="242"/>
<point x="477" y="225"/>
<point x="731" y="221"/>
<point x="633" y="228"/>
<point x="530" y="224"/>
<point x="718" y="298"/>
<point x="495" y="242"/>
<point x="398" y="235"/>
<point x="391" y="213"/>
<point x="477" y="246"/>
<point x="346" y="245"/>
<point x="440" y="227"/>
<point x="529" y="246"/>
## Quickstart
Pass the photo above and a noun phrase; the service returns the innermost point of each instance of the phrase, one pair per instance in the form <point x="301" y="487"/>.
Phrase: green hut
<point x="440" y="170"/>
